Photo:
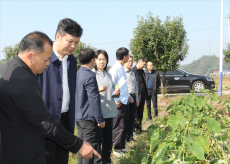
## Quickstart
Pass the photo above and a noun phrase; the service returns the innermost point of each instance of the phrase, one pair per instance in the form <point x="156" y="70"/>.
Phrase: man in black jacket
<point x="142" y="89"/>
<point x="153" y="83"/>
<point x="24" y="119"/>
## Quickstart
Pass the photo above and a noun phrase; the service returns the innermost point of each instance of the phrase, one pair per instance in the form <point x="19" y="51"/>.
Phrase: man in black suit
<point x="142" y="90"/>
<point x="153" y="83"/>
<point x="24" y="118"/>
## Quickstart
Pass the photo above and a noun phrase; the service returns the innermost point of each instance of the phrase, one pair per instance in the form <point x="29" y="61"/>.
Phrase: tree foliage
<point x="227" y="54"/>
<point x="79" y="48"/>
<point x="163" y="43"/>
<point x="10" y="51"/>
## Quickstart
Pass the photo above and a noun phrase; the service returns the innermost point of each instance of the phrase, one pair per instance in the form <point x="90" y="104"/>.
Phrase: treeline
<point x="205" y="65"/>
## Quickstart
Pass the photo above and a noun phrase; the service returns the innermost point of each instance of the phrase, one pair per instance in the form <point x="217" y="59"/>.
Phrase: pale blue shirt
<point x="117" y="72"/>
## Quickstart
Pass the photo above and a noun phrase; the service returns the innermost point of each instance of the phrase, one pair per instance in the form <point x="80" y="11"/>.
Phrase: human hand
<point x="102" y="88"/>
<point x="118" y="104"/>
<point x="131" y="99"/>
<point x="102" y="125"/>
<point x="137" y="102"/>
<point x="116" y="91"/>
<point x="87" y="151"/>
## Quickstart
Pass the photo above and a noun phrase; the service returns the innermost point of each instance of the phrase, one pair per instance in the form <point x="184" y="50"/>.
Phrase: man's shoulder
<point x="85" y="73"/>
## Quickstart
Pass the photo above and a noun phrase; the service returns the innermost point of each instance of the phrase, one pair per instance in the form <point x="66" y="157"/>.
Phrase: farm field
<point x="189" y="129"/>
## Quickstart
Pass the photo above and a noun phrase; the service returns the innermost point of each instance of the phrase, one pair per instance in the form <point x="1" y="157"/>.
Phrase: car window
<point x="177" y="73"/>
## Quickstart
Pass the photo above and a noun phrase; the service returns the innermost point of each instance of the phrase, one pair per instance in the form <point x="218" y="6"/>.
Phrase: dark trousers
<point x="140" y="110"/>
<point x="132" y="115"/>
<point x="54" y="153"/>
<point x="88" y="131"/>
<point x="120" y="127"/>
<point x="105" y="141"/>
<point x="152" y="95"/>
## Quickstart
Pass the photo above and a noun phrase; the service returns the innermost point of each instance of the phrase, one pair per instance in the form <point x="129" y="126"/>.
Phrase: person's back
<point x="13" y="80"/>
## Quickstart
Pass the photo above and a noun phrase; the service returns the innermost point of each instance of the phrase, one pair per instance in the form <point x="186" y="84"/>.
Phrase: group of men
<point x="38" y="99"/>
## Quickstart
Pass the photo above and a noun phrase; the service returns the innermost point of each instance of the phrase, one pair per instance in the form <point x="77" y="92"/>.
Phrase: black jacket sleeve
<point x="27" y="98"/>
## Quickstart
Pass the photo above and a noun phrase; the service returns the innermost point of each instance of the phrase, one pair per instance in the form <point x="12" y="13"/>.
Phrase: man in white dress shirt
<point x="58" y="83"/>
<point x="120" y="122"/>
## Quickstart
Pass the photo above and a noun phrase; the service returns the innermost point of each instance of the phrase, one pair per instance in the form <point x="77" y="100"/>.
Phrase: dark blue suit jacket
<point x="51" y="84"/>
<point x="87" y="97"/>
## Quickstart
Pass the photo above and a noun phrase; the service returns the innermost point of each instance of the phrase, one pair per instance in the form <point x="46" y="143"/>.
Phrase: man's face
<point x="129" y="64"/>
<point x="67" y="44"/>
<point x="142" y="64"/>
<point x="126" y="58"/>
<point x="40" y="61"/>
<point x="150" y="65"/>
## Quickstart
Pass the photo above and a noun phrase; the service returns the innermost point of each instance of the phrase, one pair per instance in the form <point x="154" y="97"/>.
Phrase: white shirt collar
<point x="60" y="57"/>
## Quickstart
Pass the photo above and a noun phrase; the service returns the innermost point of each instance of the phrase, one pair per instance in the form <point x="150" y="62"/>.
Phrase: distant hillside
<point x="2" y="62"/>
<point x="204" y="65"/>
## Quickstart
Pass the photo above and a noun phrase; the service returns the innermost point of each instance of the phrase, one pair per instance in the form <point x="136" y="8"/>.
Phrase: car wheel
<point x="198" y="85"/>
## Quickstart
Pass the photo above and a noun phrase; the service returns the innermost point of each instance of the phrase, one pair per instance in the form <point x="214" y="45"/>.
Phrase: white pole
<point x="221" y="47"/>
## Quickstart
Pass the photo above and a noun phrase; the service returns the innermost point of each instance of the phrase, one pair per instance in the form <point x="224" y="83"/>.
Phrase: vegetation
<point x="194" y="132"/>
<point x="227" y="54"/>
<point x="165" y="44"/>
<point x="205" y="65"/>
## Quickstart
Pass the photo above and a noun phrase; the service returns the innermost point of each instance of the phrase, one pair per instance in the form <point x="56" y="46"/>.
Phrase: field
<point x="189" y="129"/>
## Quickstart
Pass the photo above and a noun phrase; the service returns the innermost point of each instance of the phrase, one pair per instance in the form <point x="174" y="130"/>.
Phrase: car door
<point x="178" y="81"/>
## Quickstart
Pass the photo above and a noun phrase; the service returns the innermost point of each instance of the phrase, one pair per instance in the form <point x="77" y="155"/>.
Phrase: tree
<point x="227" y="54"/>
<point x="79" y="48"/>
<point x="164" y="44"/>
<point x="10" y="51"/>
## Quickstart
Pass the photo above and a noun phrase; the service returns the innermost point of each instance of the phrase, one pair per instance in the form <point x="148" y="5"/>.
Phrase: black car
<point x="182" y="80"/>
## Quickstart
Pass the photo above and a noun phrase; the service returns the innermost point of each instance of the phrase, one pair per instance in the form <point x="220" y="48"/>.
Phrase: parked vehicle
<point x="182" y="80"/>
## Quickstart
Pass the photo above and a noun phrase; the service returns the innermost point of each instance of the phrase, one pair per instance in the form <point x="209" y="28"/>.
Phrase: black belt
<point x="150" y="88"/>
<point x="64" y="114"/>
<point x="133" y="94"/>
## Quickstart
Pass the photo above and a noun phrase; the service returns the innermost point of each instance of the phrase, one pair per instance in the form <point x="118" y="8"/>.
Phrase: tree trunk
<point x="163" y="82"/>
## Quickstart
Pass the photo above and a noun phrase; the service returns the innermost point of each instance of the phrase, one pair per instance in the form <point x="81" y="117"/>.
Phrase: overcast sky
<point x="109" y="25"/>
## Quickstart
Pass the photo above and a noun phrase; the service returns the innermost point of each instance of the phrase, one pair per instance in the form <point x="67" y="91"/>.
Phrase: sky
<point x="109" y="25"/>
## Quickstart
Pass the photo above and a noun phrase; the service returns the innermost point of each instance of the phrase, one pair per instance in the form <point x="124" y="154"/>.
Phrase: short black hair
<point x="121" y="52"/>
<point x="103" y="52"/>
<point x="143" y="59"/>
<point x="86" y="55"/>
<point x="34" y="41"/>
<point x="131" y="56"/>
<point x="69" y="26"/>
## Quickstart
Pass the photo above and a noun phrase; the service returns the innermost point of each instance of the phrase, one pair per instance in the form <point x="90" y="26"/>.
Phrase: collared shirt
<point x="65" y="86"/>
<point x="150" y="83"/>
<point x="118" y="72"/>
<point x="132" y="83"/>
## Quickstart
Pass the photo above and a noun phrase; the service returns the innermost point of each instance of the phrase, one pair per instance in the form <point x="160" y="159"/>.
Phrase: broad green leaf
<point x="227" y="146"/>
<point x="221" y="137"/>
<point x="194" y="131"/>
<point x="153" y="144"/>
<point x="145" y="160"/>
<point x="171" y="137"/>
<point x="169" y="107"/>
<point x="187" y="139"/>
<point x="150" y="130"/>
<point x="181" y="119"/>
<point x="195" y="121"/>
<point x="173" y="122"/>
<point x="162" y="134"/>
<point x="203" y="142"/>
<point x="213" y="126"/>
<point x="190" y="158"/>
<point x="155" y="134"/>
<point x="201" y="101"/>
<point x="160" y="152"/>
<point x="198" y="150"/>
